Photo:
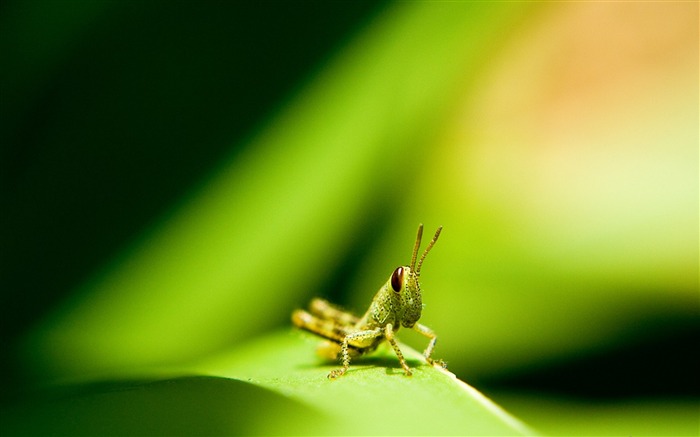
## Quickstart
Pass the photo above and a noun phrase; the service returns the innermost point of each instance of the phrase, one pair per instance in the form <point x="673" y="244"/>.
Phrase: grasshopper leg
<point x="389" y="334"/>
<point x="345" y="356"/>
<point x="325" y="310"/>
<point x="431" y="345"/>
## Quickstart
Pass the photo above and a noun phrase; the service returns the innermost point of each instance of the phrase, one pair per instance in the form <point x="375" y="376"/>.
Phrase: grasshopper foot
<point x="439" y="363"/>
<point x="337" y="373"/>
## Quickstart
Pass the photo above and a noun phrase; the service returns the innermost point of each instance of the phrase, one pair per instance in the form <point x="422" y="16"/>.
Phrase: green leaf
<point x="374" y="396"/>
<point x="274" y="385"/>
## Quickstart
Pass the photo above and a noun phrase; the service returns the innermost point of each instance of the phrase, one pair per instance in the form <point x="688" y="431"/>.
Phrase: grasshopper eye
<point x="397" y="279"/>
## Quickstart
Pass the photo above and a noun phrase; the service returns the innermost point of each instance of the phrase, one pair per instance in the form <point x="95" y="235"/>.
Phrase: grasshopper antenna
<point x="427" y="249"/>
<point x="416" y="246"/>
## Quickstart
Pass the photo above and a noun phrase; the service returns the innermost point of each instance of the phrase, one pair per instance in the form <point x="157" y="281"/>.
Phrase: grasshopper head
<point x="405" y="283"/>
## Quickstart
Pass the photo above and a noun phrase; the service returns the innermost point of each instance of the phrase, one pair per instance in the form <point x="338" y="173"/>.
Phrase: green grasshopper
<point x="397" y="303"/>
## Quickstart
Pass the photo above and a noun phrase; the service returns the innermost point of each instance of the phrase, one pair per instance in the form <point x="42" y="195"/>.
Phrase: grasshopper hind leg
<point x="329" y="329"/>
<point x="325" y="310"/>
<point x="338" y="327"/>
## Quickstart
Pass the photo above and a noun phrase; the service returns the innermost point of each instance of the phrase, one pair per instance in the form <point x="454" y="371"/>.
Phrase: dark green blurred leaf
<point x="628" y="417"/>
<point x="195" y="405"/>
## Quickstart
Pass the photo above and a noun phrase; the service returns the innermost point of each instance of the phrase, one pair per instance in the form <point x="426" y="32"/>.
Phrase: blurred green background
<point x="178" y="176"/>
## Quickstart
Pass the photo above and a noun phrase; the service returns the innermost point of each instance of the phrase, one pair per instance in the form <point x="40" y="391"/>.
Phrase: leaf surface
<point x="374" y="396"/>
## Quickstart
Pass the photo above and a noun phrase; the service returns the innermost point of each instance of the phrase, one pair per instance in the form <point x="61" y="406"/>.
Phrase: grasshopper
<point x="397" y="303"/>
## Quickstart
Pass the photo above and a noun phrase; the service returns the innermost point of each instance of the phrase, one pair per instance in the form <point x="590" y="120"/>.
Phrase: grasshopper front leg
<point x="345" y="356"/>
<point x="431" y="345"/>
<point x="389" y="334"/>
